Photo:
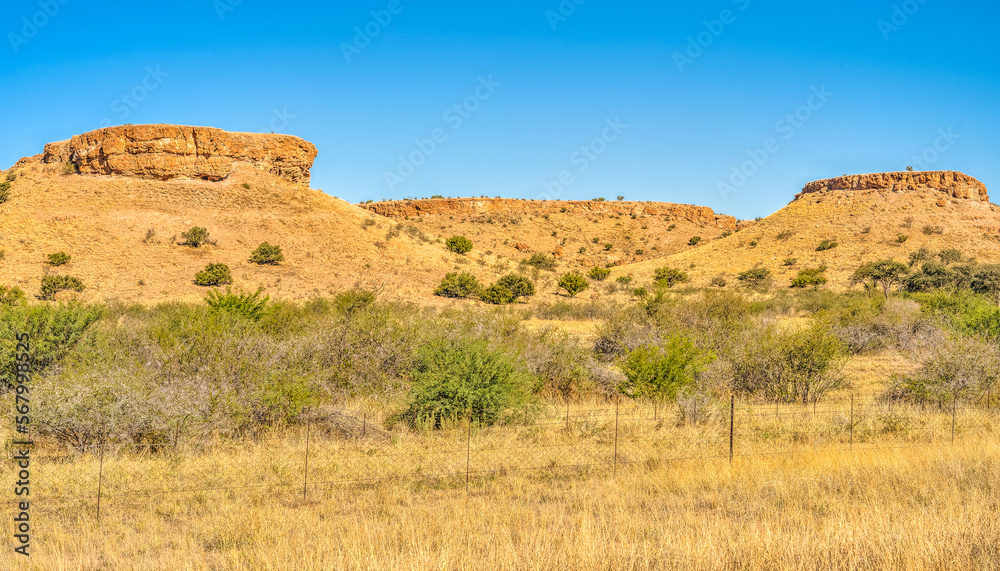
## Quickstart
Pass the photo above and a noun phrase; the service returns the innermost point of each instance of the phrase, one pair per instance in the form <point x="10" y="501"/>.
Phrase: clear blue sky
<point x="660" y="116"/>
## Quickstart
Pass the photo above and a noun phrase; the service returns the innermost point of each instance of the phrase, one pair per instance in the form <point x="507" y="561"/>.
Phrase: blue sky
<point x="732" y="104"/>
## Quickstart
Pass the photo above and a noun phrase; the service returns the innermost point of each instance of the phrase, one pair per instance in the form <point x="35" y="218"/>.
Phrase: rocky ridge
<point x="955" y="184"/>
<point x="165" y="152"/>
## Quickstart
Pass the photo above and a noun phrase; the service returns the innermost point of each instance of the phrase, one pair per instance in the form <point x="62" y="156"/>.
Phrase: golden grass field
<point x="793" y="498"/>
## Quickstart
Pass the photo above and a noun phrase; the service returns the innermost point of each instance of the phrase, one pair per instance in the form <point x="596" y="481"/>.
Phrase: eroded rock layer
<point x="164" y="152"/>
<point x="955" y="184"/>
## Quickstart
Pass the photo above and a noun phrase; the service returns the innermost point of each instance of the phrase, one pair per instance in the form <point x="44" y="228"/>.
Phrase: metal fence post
<point x="305" y="474"/>
<point x="100" y="477"/>
<point x="615" y="470"/>
<point x="468" y="455"/>
<point x="852" y="421"/>
<point x="732" y="424"/>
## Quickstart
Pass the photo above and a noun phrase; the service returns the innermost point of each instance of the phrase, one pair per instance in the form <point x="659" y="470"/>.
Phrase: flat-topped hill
<point x="165" y="152"/>
<point x="954" y="184"/>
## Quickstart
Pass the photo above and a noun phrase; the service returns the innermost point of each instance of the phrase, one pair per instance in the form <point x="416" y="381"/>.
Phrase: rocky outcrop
<point x="164" y="152"/>
<point x="954" y="184"/>
<point x="516" y="207"/>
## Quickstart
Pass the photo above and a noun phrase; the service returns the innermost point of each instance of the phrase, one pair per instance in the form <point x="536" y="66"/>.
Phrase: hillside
<point x="870" y="217"/>
<point x="133" y="190"/>
<point x="576" y="233"/>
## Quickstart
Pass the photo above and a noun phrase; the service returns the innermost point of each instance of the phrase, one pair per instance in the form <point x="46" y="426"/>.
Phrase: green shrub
<point x="962" y="369"/>
<point x="608" y="247"/>
<point x="458" y="285"/>
<point x="11" y="296"/>
<point x="950" y="256"/>
<point x="4" y="191"/>
<point x="880" y="274"/>
<point x="519" y="286"/>
<point x="195" y="236"/>
<point x="541" y="261"/>
<point x="248" y="305"/>
<point x="267" y="254"/>
<point x="573" y="283"/>
<point x="70" y="167"/>
<point x="598" y="273"/>
<point x="668" y="277"/>
<point x="662" y="373"/>
<point x="214" y="275"/>
<point x="902" y="238"/>
<point x="826" y="245"/>
<point x="755" y="278"/>
<point x="58" y="259"/>
<point x="929" y="230"/>
<point x="54" y="330"/>
<point x="453" y="380"/>
<point x="51" y="285"/>
<point x="790" y="261"/>
<point x="625" y="280"/>
<point x="810" y="277"/>
<point x="719" y="281"/>
<point x="497" y="294"/>
<point x="694" y="240"/>
<point x="353" y="301"/>
<point x="459" y="244"/>
<point x="785" y="234"/>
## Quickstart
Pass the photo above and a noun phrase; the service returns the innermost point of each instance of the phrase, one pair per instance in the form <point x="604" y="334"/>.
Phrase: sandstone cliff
<point x="954" y="184"/>
<point x="515" y="207"/>
<point x="164" y="152"/>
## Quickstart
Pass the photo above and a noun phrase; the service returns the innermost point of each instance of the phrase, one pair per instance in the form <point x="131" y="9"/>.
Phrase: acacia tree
<point x="881" y="274"/>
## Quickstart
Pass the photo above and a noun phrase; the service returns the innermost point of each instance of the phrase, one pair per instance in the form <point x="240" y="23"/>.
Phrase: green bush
<point x="58" y="259"/>
<point x="662" y="373"/>
<point x="54" y="330"/>
<point x="497" y="294"/>
<point x="458" y="285"/>
<point x="668" y="277"/>
<point x="51" y="285"/>
<point x="719" y="281"/>
<point x="573" y="283"/>
<point x="519" y="286"/>
<point x="453" y="380"/>
<point x="789" y="261"/>
<point x="755" y="278"/>
<point x="694" y="240"/>
<point x="214" y="275"/>
<point x="267" y="254"/>
<point x="598" y="273"/>
<point x="459" y="244"/>
<point x="625" y="280"/>
<point x="880" y="274"/>
<point x="4" y="191"/>
<point x="902" y="238"/>
<point x="248" y="305"/>
<point x="826" y="245"/>
<point x="541" y="261"/>
<point x="810" y="277"/>
<point x="353" y="301"/>
<point x="963" y="368"/>
<point x="11" y="296"/>
<point x="195" y="236"/>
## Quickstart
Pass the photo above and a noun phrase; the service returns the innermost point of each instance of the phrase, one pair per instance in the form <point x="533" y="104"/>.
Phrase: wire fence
<point x="347" y="449"/>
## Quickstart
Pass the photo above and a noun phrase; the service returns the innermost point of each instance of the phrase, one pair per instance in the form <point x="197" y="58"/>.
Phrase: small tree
<point x="755" y="278"/>
<point x="461" y="379"/>
<point x="267" y="254"/>
<point x="661" y="373"/>
<point x="519" y="286"/>
<point x="11" y="296"/>
<point x="598" y="273"/>
<point x="458" y="285"/>
<point x="195" y="236"/>
<point x="248" y="305"/>
<point x="810" y="277"/>
<point x="51" y="285"/>
<point x="573" y="283"/>
<point x="497" y="294"/>
<point x="987" y="281"/>
<point x="214" y="275"/>
<point x="459" y="244"/>
<point x="668" y="277"/>
<point x="540" y="261"/>
<point x="59" y="259"/>
<point x="883" y="274"/>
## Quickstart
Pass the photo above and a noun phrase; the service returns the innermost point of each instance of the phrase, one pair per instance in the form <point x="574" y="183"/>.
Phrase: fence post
<point x="852" y="421"/>
<point x="615" y="471"/>
<point x="100" y="477"/>
<point x="732" y="410"/>
<point x="954" y="405"/>
<point x="305" y="475"/>
<point x="468" y="455"/>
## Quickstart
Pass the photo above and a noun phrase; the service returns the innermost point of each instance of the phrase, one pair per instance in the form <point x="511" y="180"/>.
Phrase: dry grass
<point x="885" y="505"/>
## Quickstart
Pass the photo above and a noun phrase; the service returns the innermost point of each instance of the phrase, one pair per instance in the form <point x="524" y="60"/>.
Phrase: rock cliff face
<point x="507" y="206"/>
<point x="954" y="184"/>
<point x="164" y="152"/>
